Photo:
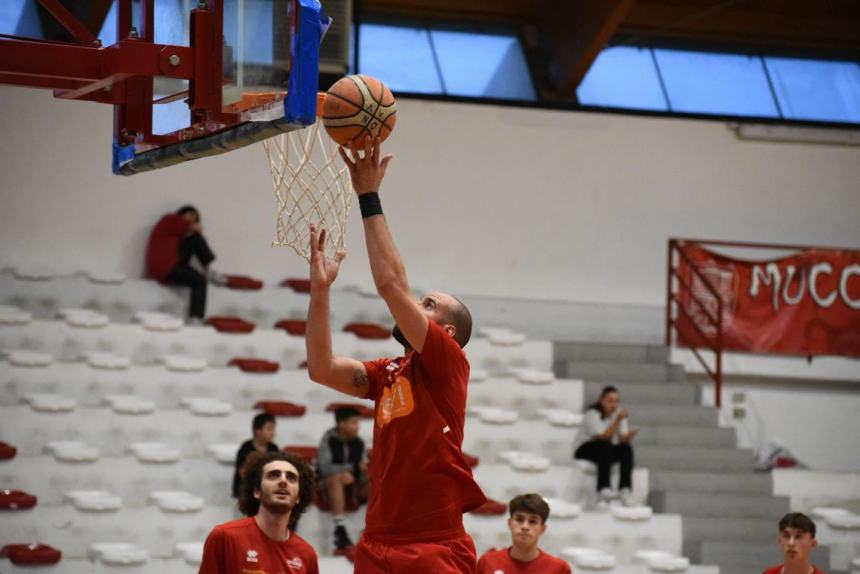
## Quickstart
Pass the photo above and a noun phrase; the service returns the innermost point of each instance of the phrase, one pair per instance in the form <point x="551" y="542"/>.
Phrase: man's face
<point x="796" y="545"/>
<point x="348" y="429"/>
<point x="279" y="489"/>
<point x="190" y="217"/>
<point x="437" y="306"/>
<point x="526" y="528"/>
<point x="265" y="433"/>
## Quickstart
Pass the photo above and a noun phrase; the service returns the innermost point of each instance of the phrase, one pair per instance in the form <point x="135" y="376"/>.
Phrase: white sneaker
<point x="194" y="321"/>
<point x="607" y="494"/>
<point x="627" y="497"/>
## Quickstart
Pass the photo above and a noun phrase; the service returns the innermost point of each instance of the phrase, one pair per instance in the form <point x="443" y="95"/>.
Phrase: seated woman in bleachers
<point x="604" y="438"/>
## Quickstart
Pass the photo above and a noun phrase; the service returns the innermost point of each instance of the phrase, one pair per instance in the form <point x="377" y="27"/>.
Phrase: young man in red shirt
<point x="797" y="539"/>
<point x="276" y="490"/>
<point x="527" y="523"/>
<point x="420" y="484"/>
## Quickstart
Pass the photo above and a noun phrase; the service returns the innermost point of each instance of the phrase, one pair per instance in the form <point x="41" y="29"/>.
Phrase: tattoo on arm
<point x="360" y="381"/>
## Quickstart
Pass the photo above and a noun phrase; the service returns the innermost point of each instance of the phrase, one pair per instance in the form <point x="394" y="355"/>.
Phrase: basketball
<point x="356" y="107"/>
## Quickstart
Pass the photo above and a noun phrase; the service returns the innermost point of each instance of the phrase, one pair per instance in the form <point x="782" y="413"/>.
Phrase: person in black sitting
<point x="264" y="433"/>
<point x="342" y="471"/>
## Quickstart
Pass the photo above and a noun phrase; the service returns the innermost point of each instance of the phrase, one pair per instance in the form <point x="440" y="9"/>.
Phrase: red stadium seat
<point x="31" y="554"/>
<point x="364" y="411"/>
<point x="281" y="408"/>
<point x="243" y="283"/>
<point x="307" y="453"/>
<point x="255" y="365"/>
<point x="7" y="451"/>
<point x="292" y="326"/>
<point x="230" y="324"/>
<point x="303" y="365"/>
<point x="472" y="461"/>
<point x="297" y="285"/>
<point x="491" y="507"/>
<point x="368" y="330"/>
<point x="16" y="500"/>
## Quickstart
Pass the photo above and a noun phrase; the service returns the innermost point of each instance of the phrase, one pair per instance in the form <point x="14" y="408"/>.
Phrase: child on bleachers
<point x="263" y="427"/>
<point x="527" y="523"/>
<point x="342" y="469"/>
<point x="797" y="539"/>
<point x="604" y="439"/>
<point x="175" y="239"/>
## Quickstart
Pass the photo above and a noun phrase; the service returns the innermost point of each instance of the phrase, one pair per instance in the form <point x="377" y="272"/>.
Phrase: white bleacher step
<point x="719" y="504"/>
<point x="849" y="521"/>
<point x="712" y="482"/>
<point x="619" y="373"/>
<point x="107" y="361"/>
<point x="25" y="358"/>
<point x="176" y="501"/>
<point x="586" y="558"/>
<point x="50" y="403"/>
<point x="825" y="512"/>
<point x="525" y="461"/>
<point x="11" y="315"/>
<point x="171" y="426"/>
<point x="661" y="561"/>
<point x="649" y="393"/>
<point x="562" y="417"/>
<point x="73" y="451"/>
<point x="631" y="513"/>
<point x="207" y="407"/>
<point x="686" y="436"/>
<point x="84" y="318"/>
<point x="224" y="453"/>
<point x="130" y="404"/>
<point x="534" y="376"/>
<point x="563" y="509"/>
<point x="184" y="363"/>
<point x="34" y="272"/>
<point x="507" y="392"/>
<point x="611" y="352"/>
<point x="728" y="529"/>
<point x="154" y="452"/>
<point x="89" y="386"/>
<point x="695" y="458"/>
<point x="190" y="552"/>
<point x="652" y="415"/>
<point x="106" y="277"/>
<point x="94" y="500"/>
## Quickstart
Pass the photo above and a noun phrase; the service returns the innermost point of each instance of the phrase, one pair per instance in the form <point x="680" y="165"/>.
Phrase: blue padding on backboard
<point x="300" y="105"/>
<point x="122" y="154"/>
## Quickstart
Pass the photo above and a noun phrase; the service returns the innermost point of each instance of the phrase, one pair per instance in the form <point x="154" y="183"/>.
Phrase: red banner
<point x="805" y="304"/>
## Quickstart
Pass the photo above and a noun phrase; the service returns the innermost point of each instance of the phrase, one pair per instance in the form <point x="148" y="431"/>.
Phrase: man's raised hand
<point x="323" y="270"/>
<point x="367" y="171"/>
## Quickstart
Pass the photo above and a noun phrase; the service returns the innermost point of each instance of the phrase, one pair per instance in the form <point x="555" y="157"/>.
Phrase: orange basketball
<point x="356" y="107"/>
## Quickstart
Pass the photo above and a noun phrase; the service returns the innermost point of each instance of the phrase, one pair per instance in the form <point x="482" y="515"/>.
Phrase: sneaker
<point x="341" y="538"/>
<point x="607" y="494"/>
<point x="194" y="322"/>
<point x="627" y="497"/>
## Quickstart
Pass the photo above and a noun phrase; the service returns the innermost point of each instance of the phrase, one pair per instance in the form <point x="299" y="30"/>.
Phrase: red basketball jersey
<point x="500" y="562"/>
<point x="778" y="570"/>
<point x="420" y="483"/>
<point x="240" y="546"/>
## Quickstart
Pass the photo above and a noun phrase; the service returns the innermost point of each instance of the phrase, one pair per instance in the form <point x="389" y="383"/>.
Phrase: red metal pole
<point x="719" y="370"/>
<point x="669" y="269"/>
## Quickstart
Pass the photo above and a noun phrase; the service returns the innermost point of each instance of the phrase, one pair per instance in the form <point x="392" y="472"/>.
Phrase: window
<point x="816" y="90"/>
<point x="418" y="59"/>
<point x="710" y="83"/>
<point x="623" y="77"/>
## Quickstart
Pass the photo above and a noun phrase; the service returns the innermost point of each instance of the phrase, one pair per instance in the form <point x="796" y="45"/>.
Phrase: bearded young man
<point x="276" y="490"/>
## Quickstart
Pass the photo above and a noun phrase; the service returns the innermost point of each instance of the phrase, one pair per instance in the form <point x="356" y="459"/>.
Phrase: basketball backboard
<point x="187" y="78"/>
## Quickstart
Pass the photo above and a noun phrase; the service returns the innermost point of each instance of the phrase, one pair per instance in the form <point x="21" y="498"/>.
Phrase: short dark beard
<point x="398" y="335"/>
<point x="274" y="507"/>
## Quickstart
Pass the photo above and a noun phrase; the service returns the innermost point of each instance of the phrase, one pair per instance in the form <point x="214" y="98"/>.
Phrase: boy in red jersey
<point x="527" y="523"/>
<point x="420" y="484"/>
<point x="276" y="490"/>
<point x="797" y="539"/>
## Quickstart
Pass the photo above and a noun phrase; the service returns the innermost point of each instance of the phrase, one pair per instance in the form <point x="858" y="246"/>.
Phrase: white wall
<point x="498" y="201"/>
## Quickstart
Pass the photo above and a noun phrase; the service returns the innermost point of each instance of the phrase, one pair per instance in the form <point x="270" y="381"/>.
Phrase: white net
<point x="311" y="185"/>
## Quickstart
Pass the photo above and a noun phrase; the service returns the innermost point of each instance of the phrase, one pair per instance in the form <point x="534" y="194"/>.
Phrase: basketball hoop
<point x="311" y="185"/>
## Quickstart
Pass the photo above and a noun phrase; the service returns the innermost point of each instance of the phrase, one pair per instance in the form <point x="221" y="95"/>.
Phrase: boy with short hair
<point x="527" y="523"/>
<point x="797" y="539"/>
<point x="342" y="466"/>
<point x="263" y="427"/>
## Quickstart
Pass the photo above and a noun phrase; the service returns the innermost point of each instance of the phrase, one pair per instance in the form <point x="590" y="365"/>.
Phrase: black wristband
<point x="369" y="204"/>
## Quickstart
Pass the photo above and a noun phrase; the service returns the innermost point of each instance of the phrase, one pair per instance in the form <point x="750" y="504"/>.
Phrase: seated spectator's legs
<point x="195" y="245"/>
<point x="186" y="275"/>
<point x="601" y="453"/>
<point x="335" y="486"/>
<point x="623" y="453"/>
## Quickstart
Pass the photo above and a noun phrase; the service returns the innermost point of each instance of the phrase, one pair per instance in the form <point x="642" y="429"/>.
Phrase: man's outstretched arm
<point x="386" y="266"/>
<point x="340" y="373"/>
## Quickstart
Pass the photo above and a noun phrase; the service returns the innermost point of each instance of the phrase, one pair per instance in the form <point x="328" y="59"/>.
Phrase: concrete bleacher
<point x="503" y="383"/>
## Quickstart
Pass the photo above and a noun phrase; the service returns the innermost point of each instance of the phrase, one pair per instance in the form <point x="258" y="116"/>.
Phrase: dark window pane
<point x="729" y="84"/>
<point x="816" y="90"/>
<point x="622" y="77"/>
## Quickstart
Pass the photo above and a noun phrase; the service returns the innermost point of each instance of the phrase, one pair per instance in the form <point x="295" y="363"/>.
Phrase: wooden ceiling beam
<point x="579" y="31"/>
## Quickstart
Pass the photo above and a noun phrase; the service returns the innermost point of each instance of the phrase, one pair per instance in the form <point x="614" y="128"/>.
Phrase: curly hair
<point x="252" y="479"/>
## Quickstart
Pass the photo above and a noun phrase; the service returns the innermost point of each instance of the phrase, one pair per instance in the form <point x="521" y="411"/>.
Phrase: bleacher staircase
<point x="729" y="512"/>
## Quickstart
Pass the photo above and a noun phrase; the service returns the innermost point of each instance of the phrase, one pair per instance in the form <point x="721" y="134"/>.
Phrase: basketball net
<point x="312" y="185"/>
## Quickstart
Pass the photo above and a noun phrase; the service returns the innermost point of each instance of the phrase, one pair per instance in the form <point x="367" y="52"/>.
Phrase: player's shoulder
<point x="773" y="569"/>
<point x="233" y="527"/>
<point x="558" y="565"/>
<point x="493" y="557"/>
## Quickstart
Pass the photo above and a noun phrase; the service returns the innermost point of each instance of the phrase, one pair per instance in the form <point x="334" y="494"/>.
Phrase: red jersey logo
<point x="396" y="401"/>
